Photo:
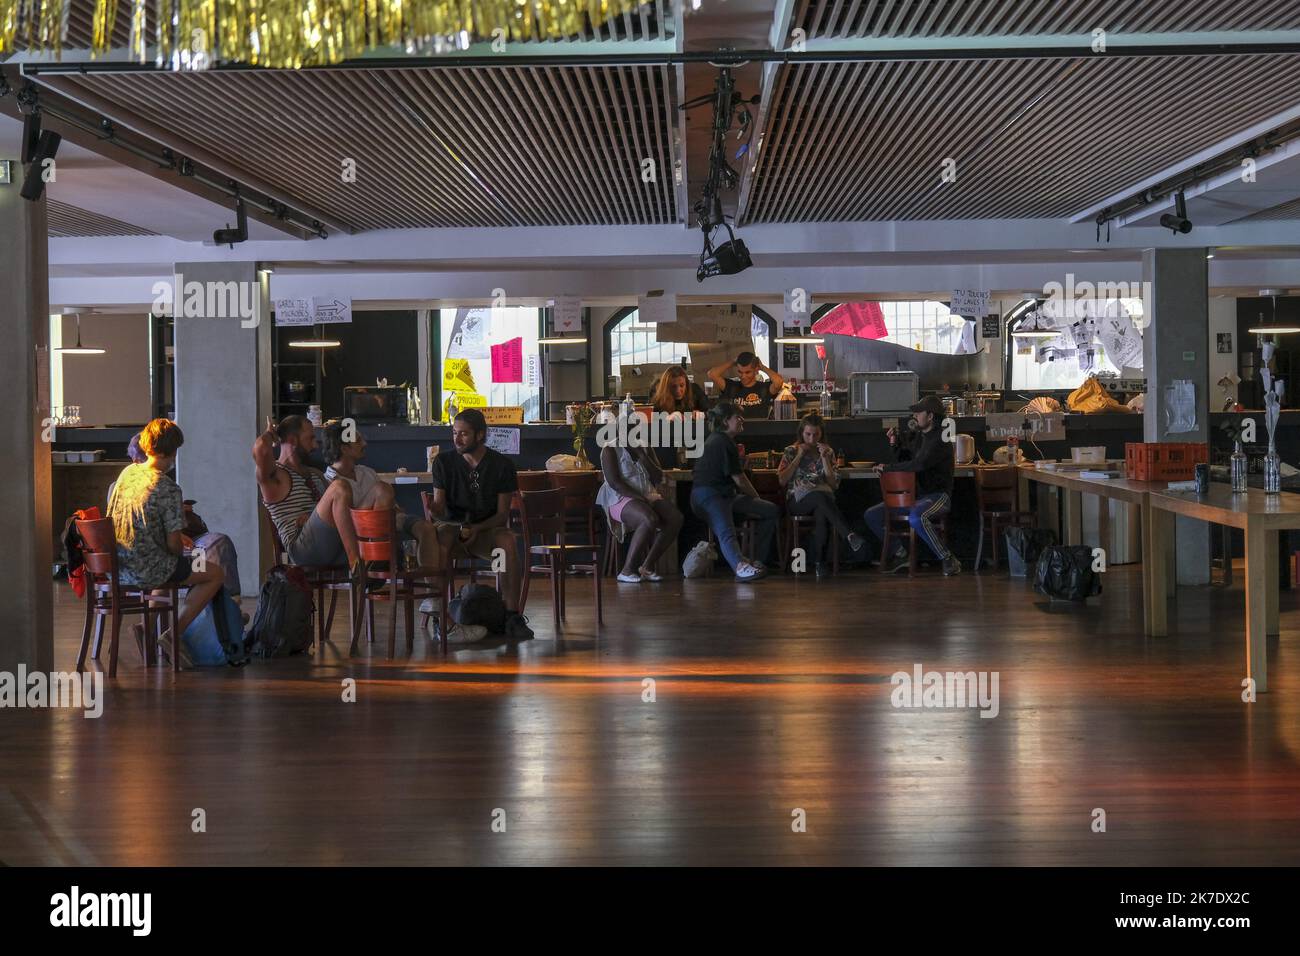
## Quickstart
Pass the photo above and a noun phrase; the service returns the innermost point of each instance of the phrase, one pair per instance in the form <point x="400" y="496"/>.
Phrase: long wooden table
<point x="1258" y="515"/>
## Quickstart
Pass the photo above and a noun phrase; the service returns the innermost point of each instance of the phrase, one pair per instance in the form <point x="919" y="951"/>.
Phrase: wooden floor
<point x="769" y="697"/>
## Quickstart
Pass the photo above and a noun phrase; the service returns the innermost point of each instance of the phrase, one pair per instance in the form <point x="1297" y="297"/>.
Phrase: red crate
<point x="1163" y="461"/>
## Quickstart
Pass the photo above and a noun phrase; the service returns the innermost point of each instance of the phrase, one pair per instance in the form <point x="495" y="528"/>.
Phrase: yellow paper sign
<point x="504" y="414"/>
<point x="456" y="376"/>
<point x="470" y="400"/>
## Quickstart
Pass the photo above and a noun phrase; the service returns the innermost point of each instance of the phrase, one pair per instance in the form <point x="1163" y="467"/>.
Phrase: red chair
<point x="997" y="492"/>
<point x="898" y="489"/>
<point x="320" y="578"/>
<point x="545" y="516"/>
<point x="107" y="596"/>
<point x="377" y="540"/>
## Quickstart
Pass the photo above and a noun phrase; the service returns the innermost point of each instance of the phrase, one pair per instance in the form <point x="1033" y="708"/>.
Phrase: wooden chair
<point x="794" y="526"/>
<point x="898" y="488"/>
<point x="997" y="492"/>
<point x="472" y="566"/>
<point x="107" y="596"/>
<point x="320" y="578"/>
<point x="377" y="540"/>
<point x="580" y="508"/>
<point x="544" y="516"/>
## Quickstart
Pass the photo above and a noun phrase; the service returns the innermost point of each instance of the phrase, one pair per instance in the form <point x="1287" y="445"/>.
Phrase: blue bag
<point x="216" y="636"/>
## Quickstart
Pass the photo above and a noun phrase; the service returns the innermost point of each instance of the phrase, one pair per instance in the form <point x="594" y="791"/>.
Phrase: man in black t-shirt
<point x="470" y="504"/>
<point x="752" y="395"/>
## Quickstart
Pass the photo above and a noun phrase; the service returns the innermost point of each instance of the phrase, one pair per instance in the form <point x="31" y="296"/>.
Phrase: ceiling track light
<point x="1178" y="221"/>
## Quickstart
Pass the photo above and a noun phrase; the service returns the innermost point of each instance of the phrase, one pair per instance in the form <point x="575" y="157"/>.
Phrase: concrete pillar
<point x="26" y="524"/>
<point x="223" y="395"/>
<point x="1175" y="345"/>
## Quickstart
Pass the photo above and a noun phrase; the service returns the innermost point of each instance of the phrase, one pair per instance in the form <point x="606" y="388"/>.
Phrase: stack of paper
<point x="1099" y="474"/>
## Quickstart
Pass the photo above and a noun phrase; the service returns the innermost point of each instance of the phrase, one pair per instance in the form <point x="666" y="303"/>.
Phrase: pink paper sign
<point x="508" y="361"/>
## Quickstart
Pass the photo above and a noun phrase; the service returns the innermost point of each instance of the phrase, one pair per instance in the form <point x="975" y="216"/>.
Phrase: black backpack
<point x="1065" y="572"/>
<point x="282" y="624"/>
<point x="479" y="604"/>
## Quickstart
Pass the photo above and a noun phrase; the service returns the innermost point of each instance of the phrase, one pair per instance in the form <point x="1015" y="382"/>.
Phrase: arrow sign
<point x="329" y="309"/>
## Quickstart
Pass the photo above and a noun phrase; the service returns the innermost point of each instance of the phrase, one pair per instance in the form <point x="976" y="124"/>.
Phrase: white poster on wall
<point x="503" y="440"/>
<point x="971" y="303"/>
<point x="293" y="312"/>
<point x="330" y="309"/>
<point x="798" y="309"/>
<point x="567" y="316"/>
<point x="469" y="334"/>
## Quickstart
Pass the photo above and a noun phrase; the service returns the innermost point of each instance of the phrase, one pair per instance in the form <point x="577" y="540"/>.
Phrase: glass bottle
<point x="827" y="401"/>
<point x="1238" y="469"/>
<point x="1272" y="471"/>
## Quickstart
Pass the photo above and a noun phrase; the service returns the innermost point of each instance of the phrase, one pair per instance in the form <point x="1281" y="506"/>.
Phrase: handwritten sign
<point x="971" y="303"/>
<point x="656" y="308"/>
<point x="1040" y="427"/>
<point x="567" y="316"/>
<point x="456" y="375"/>
<point x="508" y="361"/>
<point x="293" y="312"/>
<point x="504" y="414"/>
<point x="330" y="309"/>
<point x="504" y="440"/>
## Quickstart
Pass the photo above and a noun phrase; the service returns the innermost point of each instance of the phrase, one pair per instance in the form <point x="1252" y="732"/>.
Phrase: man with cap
<point x="921" y="450"/>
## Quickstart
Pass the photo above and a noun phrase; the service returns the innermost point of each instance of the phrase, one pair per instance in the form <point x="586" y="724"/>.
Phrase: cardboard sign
<point x="504" y="414"/>
<point x="456" y="376"/>
<point x="504" y="440"/>
<point x="971" y="303"/>
<point x="640" y="379"/>
<point x="1041" y="427"/>
<point x="656" y="308"/>
<point x="508" y="361"/>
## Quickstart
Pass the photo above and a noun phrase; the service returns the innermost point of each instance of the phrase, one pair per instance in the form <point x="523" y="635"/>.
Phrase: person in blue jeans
<point x="722" y="491"/>
<point x="924" y="452"/>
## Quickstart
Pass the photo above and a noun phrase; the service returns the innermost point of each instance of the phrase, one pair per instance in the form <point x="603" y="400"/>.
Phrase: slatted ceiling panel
<point x="1286" y="212"/>
<point x="1031" y="138"/>
<point x="933" y="18"/>
<point x="443" y="147"/>
<point x="71" y="222"/>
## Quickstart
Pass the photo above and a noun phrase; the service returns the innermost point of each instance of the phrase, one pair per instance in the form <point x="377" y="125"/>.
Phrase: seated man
<point x="925" y="452"/>
<point x="313" y="517"/>
<point x="754" y="397"/>
<point x="472" y="488"/>
<point x="369" y="491"/>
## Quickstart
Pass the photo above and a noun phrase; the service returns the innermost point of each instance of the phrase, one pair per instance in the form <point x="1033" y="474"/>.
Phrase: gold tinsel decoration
<point x="289" y="34"/>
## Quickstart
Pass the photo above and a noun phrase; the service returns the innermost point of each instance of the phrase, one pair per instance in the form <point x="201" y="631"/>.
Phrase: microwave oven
<point x="875" y="393"/>
<point x="372" y="403"/>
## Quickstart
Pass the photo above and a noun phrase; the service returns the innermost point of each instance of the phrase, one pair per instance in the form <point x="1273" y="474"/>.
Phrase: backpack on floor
<point x="1065" y="572"/>
<point x="478" y="604"/>
<point x="216" y="636"/>
<point x="282" y="624"/>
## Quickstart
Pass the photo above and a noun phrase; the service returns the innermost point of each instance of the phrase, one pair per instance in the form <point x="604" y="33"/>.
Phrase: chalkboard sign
<point x="992" y="326"/>
<point x="791" y="356"/>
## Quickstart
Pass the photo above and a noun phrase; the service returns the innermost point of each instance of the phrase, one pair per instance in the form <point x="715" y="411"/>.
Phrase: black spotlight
<point x="230" y="236"/>
<point x="1178" y="221"/>
<point x="31" y="135"/>
<point x="725" y="259"/>
<point x="46" y="147"/>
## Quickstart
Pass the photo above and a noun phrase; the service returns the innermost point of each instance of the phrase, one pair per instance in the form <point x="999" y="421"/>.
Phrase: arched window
<point x="1066" y="361"/>
<point x="922" y="324"/>
<point x="628" y="341"/>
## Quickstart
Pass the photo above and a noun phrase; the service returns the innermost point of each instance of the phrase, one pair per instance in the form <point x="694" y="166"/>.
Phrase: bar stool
<point x="545" y="516"/>
<point x="107" y="596"/>
<point x="898" y="489"/>
<point x="997" y="493"/>
<point x="378" y="542"/>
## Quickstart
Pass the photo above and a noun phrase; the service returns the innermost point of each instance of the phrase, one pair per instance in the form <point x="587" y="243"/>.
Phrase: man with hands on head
<point x="470" y="505"/>
<point x="752" y="395"/>
<point x="923" y="451"/>
<point x="312" y="516"/>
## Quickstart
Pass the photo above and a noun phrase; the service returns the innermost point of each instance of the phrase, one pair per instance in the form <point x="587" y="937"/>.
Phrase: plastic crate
<point x="1163" y="461"/>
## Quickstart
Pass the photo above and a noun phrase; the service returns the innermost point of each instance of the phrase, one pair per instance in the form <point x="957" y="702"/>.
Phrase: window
<point x="476" y="331"/>
<point x="628" y="342"/>
<point x="1060" y="363"/>
<point x="929" y="327"/>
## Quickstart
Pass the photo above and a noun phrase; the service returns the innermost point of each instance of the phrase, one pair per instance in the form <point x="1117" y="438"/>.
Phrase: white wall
<point x="1223" y="318"/>
<point x="111" y="388"/>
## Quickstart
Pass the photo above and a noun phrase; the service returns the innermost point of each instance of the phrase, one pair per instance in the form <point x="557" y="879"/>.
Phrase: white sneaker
<point x="428" y="607"/>
<point x="648" y="575"/>
<point x="750" y="572"/>
<point x="629" y="578"/>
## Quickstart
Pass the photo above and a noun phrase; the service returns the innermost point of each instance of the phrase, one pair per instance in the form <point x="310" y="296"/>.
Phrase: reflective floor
<point x="708" y="722"/>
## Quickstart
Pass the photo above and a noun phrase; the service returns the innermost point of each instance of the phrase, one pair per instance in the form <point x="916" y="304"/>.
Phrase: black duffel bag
<point x="282" y="623"/>
<point x="1065" y="572"/>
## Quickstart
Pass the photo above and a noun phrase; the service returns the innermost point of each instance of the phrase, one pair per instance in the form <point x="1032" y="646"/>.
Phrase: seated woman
<point x="631" y="499"/>
<point x="807" y="472"/>
<point x="217" y="548"/>
<point x="676" y="393"/>
<point x="722" y="491"/>
<point x="149" y="518"/>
